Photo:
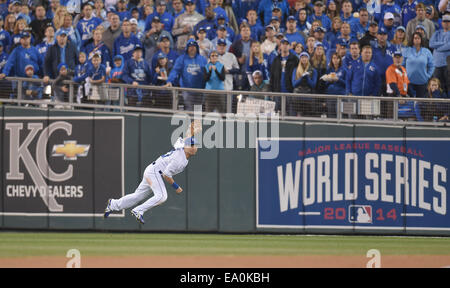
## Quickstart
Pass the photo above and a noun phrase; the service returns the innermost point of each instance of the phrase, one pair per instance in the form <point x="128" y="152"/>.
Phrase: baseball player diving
<point x="165" y="167"/>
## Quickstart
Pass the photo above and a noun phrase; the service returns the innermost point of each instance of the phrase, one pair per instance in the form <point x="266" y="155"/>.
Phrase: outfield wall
<point x="60" y="167"/>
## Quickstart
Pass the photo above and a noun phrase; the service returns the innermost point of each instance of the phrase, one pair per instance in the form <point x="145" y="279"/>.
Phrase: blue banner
<point x="354" y="183"/>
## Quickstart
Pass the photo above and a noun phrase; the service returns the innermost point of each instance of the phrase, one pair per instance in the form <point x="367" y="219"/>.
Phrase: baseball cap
<point x="401" y="28"/>
<point x="317" y="44"/>
<point x="137" y="47"/>
<point x="275" y="18"/>
<point x="388" y="15"/>
<point x="25" y="34"/>
<point x="220" y="16"/>
<point x="28" y="67"/>
<point x="133" y="21"/>
<point x="279" y="34"/>
<point x="291" y="18"/>
<point x="222" y="27"/>
<point x="374" y="23"/>
<point x="398" y="53"/>
<point x="304" y="54"/>
<point x="276" y="8"/>
<point x="284" y="40"/>
<point x="156" y="19"/>
<point x="221" y="42"/>
<point x="270" y="27"/>
<point x="318" y="3"/>
<point x="163" y="36"/>
<point x="62" y="65"/>
<point x="161" y="55"/>
<point x="342" y="42"/>
<point x="201" y="29"/>
<point x="429" y="10"/>
<point x="382" y="30"/>
<point x="161" y="3"/>
<point x="420" y="26"/>
<point x="189" y="2"/>
<point x="256" y="72"/>
<point x="446" y="18"/>
<point x="320" y="29"/>
<point x="61" y="32"/>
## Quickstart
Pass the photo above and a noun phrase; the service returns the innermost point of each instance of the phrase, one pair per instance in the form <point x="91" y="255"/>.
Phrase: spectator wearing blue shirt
<point x="265" y="9"/>
<point x="347" y="12"/>
<point x="335" y="82"/>
<point x="31" y="90"/>
<point x="361" y="26"/>
<point x="408" y="11"/>
<point x="363" y="79"/>
<point x="391" y="7"/>
<point x="177" y="8"/>
<point x="126" y="43"/>
<point x="440" y="43"/>
<point x="209" y="23"/>
<point x="136" y="72"/>
<point x="241" y="8"/>
<point x="96" y="75"/>
<point x="221" y="21"/>
<point x="382" y="53"/>
<point x="302" y="24"/>
<point x="318" y="15"/>
<point x="257" y="62"/>
<point x="255" y="26"/>
<point x="5" y="37"/>
<point x="189" y="68"/>
<point x="122" y="10"/>
<point x="165" y="18"/>
<point x="214" y="74"/>
<point x="166" y="49"/>
<point x="292" y="34"/>
<point x="419" y="64"/>
<point x="97" y="46"/>
<point x="388" y="25"/>
<point x="353" y="57"/>
<point x="3" y="57"/>
<point x="21" y="56"/>
<point x="399" y="40"/>
<point x="87" y="24"/>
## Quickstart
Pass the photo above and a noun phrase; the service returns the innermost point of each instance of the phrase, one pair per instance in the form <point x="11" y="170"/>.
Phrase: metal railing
<point x="304" y="107"/>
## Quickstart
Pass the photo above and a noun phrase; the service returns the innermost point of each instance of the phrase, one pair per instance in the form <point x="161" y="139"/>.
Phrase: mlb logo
<point x="360" y="214"/>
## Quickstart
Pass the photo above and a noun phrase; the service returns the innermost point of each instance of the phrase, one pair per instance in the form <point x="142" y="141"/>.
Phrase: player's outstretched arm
<point x="170" y="180"/>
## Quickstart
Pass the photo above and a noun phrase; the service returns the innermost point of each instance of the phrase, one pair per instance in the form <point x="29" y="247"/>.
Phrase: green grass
<point x="13" y="244"/>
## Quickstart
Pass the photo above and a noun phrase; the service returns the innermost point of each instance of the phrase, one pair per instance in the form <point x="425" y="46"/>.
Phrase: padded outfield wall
<point x="59" y="168"/>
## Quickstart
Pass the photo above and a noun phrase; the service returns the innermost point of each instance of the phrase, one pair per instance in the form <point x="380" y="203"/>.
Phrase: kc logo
<point x="39" y="168"/>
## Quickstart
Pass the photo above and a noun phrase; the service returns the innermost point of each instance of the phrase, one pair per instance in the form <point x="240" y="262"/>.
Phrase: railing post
<point x="71" y="94"/>
<point x="122" y="98"/>
<point x="338" y="108"/>
<point x="283" y="106"/>
<point x="174" y="99"/>
<point x="395" y="110"/>
<point x="229" y="102"/>
<point x="19" y="92"/>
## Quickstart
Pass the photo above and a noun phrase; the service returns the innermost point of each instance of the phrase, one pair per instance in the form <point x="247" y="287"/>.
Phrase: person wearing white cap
<point x="440" y="42"/>
<point x="388" y="24"/>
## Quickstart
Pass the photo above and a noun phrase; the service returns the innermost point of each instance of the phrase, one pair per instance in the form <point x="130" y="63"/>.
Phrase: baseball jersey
<point x="173" y="162"/>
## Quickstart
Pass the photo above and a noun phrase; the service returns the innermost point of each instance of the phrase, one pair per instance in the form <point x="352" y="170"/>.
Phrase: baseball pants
<point x="142" y="192"/>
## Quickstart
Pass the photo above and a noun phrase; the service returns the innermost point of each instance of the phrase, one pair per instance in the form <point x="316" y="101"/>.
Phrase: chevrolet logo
<point x="70" y="150"/>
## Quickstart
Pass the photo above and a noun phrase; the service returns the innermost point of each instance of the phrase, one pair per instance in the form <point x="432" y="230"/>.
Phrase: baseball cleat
<point x="138" y="216"/>
<point x="108" y="209"/>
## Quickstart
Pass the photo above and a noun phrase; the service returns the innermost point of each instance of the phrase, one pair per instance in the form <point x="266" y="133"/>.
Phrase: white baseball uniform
<point x="169" y="164"/>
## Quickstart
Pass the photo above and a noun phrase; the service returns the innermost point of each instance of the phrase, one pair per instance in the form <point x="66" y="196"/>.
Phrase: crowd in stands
<point x="337" y="47"/>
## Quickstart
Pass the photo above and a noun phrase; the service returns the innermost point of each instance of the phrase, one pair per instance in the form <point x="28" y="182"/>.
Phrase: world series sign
<point x="61" y="166"/>
<point x="354" y="183"/>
